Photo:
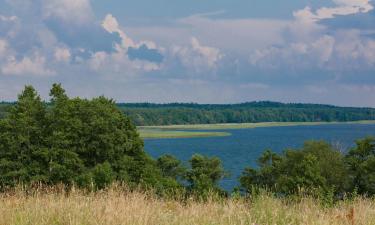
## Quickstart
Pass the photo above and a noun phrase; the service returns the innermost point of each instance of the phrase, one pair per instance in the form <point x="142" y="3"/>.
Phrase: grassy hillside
<point x="116" y="206"/>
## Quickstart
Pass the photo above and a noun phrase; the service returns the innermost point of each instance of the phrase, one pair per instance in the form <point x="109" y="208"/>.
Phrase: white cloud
<point x="62" y="54"/>
<point x="3" y="47"/>
<point x="310" y="45"/>
<point x="117" y="65"/>
<point x="72" y="11"/>
<point x="211" y="55"/>
<point x="296" y="54"/>
<point x="197" y="57"/>
<point x="8" y="18"/>
<point x="111" y="25"/>
<point x="343" y="8"/>
<point x="27" y="66"/>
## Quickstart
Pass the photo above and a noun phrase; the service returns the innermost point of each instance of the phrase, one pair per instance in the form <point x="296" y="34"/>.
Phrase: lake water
<point x="246" y="145"/>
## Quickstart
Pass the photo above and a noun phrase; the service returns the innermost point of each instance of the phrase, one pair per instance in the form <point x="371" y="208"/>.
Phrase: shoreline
<point x="190" y="130"/>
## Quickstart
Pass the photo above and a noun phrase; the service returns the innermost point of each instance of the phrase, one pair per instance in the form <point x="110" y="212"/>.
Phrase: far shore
<point x="225" y="126"/>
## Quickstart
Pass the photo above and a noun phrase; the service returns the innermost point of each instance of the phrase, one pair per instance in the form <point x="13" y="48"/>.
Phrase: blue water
<point x="244" y="146"/>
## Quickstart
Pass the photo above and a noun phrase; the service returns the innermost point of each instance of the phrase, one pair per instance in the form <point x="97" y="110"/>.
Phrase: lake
<point x="244" y="146"/>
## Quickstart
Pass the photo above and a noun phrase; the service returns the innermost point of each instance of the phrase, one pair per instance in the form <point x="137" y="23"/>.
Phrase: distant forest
<point x="251" y="112"/>
<point x="148" y="114"/>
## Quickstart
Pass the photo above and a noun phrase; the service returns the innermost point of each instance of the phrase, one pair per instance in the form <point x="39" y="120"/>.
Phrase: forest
<point x="146" y="114"/>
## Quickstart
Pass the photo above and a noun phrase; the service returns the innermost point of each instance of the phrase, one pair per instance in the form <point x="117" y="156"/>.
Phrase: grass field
<point x="150" y="133"/>
<point x="247" y="125"/>
<point x="115" y="207"/>
<point x="182" y="131"/>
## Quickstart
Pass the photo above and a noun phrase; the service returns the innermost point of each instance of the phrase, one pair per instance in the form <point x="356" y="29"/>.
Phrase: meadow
<point x="185" y="131"/>
<point x="152" y="133"/>
<point x="119" y="206"/>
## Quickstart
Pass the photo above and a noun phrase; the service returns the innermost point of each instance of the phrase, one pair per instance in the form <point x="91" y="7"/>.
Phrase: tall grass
<point x="119" y="206"/>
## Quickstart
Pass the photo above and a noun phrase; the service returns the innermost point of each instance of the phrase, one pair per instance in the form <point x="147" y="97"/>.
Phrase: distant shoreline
<point x="190" y="130"/>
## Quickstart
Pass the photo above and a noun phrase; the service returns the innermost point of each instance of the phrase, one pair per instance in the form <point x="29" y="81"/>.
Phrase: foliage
<point x="361" y="163"/>
<point x="72" y="141"/>
<point x="204" y="175"/>
<point x="146" y="114"/>
<point x="316" y="167"/>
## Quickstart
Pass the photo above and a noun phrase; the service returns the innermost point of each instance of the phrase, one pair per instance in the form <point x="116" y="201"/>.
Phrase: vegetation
<point x="229" y="126"/>
<point x="151" y="133"/>
<point x="48" y="150"/>
<point x="89" y="143"/>
<point x="121" y="206"/>
<point x="317" y="169"/>
<point x="145" y="114"/>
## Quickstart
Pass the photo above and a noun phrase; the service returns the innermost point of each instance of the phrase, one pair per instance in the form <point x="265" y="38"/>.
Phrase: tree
<point x="361" y="163"/>
<point x="72" y="141"/>
<point x="23" y="152"/>
<point x="315" y="167"/>
<point x="205" y="174"/>
<point x="171" y="167"/>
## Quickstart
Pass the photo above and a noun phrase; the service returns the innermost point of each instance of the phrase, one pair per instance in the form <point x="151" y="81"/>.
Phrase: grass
<point x="160" y="134"/>
<point x="117" y="206"/>
<point x="228" y="126"/>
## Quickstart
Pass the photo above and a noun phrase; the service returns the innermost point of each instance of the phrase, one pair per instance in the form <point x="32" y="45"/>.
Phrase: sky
<point x="212" y="51"/>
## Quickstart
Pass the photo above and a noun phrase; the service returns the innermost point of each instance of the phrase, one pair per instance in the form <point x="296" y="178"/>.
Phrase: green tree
<point x="171" y="167"/>
<point x="205" y="174"/>
<point x="317" y="167"/>
<point x="361" y="163"/>
<point x="72" y="140"/>
<point x="23" y="151"/>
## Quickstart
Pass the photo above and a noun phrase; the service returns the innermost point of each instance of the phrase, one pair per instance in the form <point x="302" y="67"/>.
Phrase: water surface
<point x="246" y="145"/>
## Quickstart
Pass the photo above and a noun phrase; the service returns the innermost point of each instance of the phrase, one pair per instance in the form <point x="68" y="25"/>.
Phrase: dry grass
<point x="114" y="207"/>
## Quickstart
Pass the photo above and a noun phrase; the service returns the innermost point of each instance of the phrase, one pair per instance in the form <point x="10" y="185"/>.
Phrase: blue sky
<point x="212" y="51"/>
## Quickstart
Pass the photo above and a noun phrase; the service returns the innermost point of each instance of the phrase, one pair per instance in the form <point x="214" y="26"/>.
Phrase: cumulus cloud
<point x="310" y="45"/>
<point x="343" y="8"/>
<point x="27" y="66"/>
<point x="111" y="25"/>
<point x="72" y="11"/>
<point x="296" y="55"/>
<point x="198" y="57"/>
<point x="62" y="54"/>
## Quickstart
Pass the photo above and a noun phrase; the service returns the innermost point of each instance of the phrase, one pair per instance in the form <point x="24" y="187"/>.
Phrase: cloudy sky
<point x="212" y="51"/>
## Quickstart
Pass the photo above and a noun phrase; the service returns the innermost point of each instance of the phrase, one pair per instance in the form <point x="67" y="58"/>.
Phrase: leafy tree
<point x="361" y="163"/>
<point x="171" y="167"/>
<point x="72" y="141"/>
<point x="205" y="174"/>
<point x="317" y="166"/>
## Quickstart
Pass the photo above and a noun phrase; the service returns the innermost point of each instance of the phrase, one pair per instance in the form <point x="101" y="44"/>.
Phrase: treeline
<point x="91" y="144"/>
<point x="146" y="114"/>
